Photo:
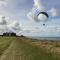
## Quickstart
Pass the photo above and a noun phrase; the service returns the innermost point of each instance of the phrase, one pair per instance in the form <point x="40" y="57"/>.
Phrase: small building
<point x="9" y="34"/>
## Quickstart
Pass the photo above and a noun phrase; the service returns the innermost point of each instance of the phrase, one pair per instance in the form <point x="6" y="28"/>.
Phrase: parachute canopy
<point x="42" y="16"/>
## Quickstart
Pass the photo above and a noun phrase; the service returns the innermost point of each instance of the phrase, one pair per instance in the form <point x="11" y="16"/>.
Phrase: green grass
<point x="4" y="43"/>
<point x="25" y="49"/>
<point x="34" y="53"/>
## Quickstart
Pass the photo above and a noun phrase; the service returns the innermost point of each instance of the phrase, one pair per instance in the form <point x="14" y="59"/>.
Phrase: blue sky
<point x="17" y="10"/>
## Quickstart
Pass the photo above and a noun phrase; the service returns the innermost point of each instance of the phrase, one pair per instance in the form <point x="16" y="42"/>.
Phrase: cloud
<point x="3" y="24"/>
<point x="47" y="30"/>
<point x="37" y="7"/>
<point x="14" y="27"/>
<point x="3" y="21"/>
<point x="53" y="12"/>
<point x="32" y="16"/>
<point x="3" y="3"/>
<point x="6" y="26"/>
<point x="25" y="29"/>
<point x="13" y="10"/>
<point x="38" y="4"/>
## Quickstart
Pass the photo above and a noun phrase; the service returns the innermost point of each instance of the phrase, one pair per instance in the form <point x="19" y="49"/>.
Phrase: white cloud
<point x="3" y="21"/>
<point x="14" y="27"/>
<point x="38" y="4"/>
<point x="3" y="24"/>
<point x="32" y="16"/>
<point x="3" y="3"/>
<point x="53" y="12"/>
<point x="46" y="30"/>
<point x="6" y="26"/>
<point x="37" y="7"/>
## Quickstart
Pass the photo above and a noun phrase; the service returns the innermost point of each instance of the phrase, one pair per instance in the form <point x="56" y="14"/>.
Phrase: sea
<point x="47" y="38"/>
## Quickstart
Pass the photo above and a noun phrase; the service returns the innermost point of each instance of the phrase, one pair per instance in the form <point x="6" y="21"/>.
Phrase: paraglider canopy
<point x="43" y="16"/>
<point x="44" y="13"/>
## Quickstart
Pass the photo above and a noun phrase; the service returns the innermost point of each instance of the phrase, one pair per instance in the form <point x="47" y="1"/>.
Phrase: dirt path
<point x="5" y="53"/>
<point x="20" y="50"/>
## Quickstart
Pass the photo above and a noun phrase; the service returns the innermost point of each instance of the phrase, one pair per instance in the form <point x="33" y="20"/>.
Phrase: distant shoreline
<point x="37" y="38"/>
<point x="46" y="38"/>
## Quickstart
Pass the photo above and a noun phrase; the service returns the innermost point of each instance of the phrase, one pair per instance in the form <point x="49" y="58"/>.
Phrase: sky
<point x="20" y="17"/>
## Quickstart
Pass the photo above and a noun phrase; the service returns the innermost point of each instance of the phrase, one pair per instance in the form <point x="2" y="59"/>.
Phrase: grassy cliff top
<point x="23" y="48"/>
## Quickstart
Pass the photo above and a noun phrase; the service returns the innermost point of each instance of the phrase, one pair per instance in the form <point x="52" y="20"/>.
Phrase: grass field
<point x="4" y="43"/>
<point x="22" y="48"/>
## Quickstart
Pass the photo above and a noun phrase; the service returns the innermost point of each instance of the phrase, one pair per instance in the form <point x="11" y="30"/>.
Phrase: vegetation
<point x="4" y="43"/>
<point x="22" y="48"/>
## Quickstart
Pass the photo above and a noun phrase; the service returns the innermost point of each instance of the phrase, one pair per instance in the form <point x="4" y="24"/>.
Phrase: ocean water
<point x="47" y="38"/>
